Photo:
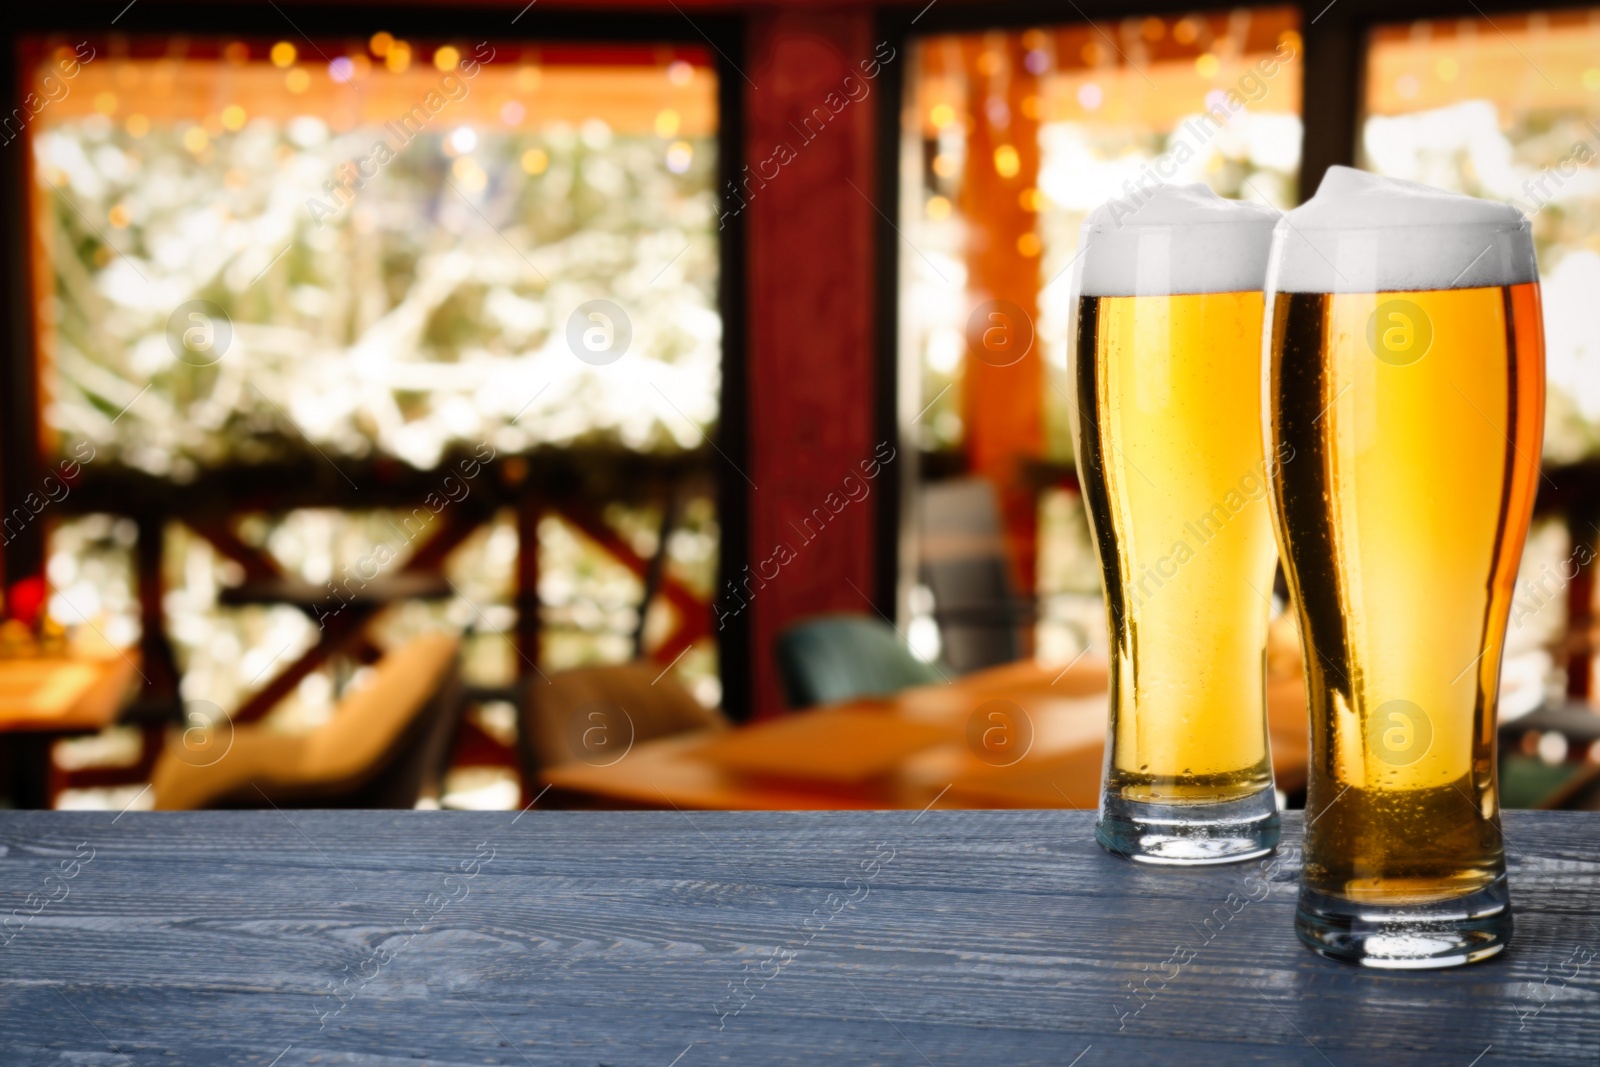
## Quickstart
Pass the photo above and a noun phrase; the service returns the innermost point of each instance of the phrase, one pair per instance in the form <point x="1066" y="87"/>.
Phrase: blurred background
<point x="647" y="405"/>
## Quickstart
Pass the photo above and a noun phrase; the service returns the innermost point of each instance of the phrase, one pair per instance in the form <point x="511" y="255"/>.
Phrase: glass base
<point x="1188" y="835"/>
<point x="1449" y="933"/>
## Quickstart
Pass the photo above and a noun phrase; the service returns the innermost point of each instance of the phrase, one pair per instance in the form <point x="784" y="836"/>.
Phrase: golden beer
<point x="1175" y="477"/>
<point x="1166" y="375"/>
<point x="1416" y="418"/>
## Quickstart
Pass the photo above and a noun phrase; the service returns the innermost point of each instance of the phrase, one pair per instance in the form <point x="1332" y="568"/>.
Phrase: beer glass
<point x="1406" y="371"/>
<point x="1165" y="365"/>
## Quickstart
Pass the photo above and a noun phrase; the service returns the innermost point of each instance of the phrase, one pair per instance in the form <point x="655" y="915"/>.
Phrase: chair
<point x="1583" y="794"/>
<point x="596" y="714"/>
<point x="962" y="560"/>
<point x="387" y="745"/>
<point x="830" y="658"/>
<point x="1530" y="782"/>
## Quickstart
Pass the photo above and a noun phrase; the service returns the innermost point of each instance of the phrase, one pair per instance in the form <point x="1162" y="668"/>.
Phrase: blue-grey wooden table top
<point x="278" y="939"/>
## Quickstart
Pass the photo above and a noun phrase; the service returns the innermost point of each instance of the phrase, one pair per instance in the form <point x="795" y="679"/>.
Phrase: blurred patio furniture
<point x="932" y="743"/>
<point x="1527" y="780"/>
<point x="595" y="715"/>
<point x="963" y="561"/>
<point x="829" y="658"/>
<point x="575" y="484"/>
<point x="386" y="745"/>
<point x="1582" y="792"/>
<point x="46" y="698"/>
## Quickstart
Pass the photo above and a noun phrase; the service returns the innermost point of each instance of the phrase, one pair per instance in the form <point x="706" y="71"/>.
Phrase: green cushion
<point x="1527" y="782"/>
<point x="829" y="658"/>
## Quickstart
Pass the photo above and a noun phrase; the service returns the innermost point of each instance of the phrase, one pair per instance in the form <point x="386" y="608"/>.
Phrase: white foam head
<point x="1363" y="233"/>
<point x="1172" y="240"/>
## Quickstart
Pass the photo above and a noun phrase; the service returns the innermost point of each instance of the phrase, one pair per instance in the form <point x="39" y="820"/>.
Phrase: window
<point x="394" y="242"/>
<point x="349" y="257"/>
<point x="1508" y="110"/>
<point x="1011" y="138"/>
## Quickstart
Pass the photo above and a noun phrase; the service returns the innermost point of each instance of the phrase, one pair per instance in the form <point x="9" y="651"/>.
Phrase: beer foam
<point x="1173" y="240"/>
<point x="1363" y="233"/>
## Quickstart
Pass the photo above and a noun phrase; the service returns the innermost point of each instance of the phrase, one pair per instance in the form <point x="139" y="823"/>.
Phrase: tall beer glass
<point x="1406" y="370"/>
<point x="1166" y="372"/>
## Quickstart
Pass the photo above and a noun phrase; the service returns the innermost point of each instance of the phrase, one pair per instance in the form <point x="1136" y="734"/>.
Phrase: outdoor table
<point x="46" y="698"/>
<point x="905" y="750"/>
<point x="682" y="939"/>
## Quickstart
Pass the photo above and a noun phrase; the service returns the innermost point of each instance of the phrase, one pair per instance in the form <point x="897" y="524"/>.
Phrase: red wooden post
<point x="810" y="205"/>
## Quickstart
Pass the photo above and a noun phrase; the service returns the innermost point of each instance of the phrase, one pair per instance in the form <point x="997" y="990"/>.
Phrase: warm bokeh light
<point x="535" y="161"/>
<point x="679" y="156"/>
<point x="398" y="57"/>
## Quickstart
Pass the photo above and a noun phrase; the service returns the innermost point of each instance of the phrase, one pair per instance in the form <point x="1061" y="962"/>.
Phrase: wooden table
<point x="581" y="938"/>
<point x="43" y="699"/>
<point x="903" y="751"/>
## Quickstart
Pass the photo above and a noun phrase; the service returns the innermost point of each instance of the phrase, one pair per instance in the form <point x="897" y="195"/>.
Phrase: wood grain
<point x="611" y="938"/>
